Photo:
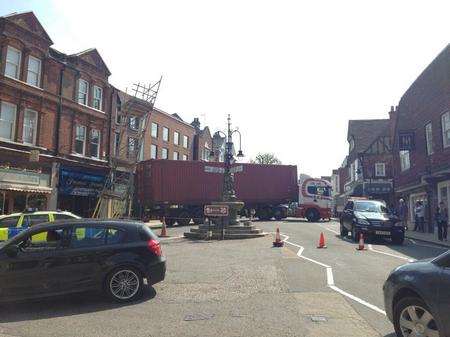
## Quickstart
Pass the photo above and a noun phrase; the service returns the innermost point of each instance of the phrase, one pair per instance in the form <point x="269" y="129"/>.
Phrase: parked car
<point x="372" y="219"/>
<point x="417" y="298"/>
<point x="79" y="255"/>
<point x="12" y="224"/>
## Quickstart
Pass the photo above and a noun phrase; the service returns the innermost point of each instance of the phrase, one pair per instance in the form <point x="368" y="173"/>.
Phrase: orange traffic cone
<point x="278" y="242"/>
<point x="322" y="241"/>
<point x="361" y="242"/>
<point x="163" y="228"/>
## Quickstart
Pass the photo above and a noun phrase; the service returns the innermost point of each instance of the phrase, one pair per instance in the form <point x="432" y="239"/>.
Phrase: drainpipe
<point x="59" y="111"/>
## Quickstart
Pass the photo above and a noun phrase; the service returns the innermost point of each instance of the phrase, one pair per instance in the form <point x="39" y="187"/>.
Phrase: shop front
<point x="78" y="190"/>
<point x="21" y="189"/>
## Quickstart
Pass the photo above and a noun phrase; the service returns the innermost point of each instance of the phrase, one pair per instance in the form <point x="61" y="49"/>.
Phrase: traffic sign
<point x="216" y="210"/>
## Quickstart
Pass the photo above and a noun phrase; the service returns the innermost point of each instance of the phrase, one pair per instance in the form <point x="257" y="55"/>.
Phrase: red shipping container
<point x="187" y="183"/>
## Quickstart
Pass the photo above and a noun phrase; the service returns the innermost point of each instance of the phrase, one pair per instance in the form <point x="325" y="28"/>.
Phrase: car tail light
<point x="154" y="247"/>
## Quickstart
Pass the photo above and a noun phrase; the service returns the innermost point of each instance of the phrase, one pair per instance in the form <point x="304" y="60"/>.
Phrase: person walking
<point x="416" y="216"/>
<point x="402" y="212"/>
<point x="421" y="217"/>
<point x="443" y="222"/>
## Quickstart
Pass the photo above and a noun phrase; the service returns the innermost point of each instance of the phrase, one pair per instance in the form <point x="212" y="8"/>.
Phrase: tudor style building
<point x="203" y="142"/>
<point x="54" y="121"/>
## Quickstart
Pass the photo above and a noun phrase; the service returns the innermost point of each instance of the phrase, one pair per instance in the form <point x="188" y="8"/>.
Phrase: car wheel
<point x="312" y="215"/>
<point x="124" y="284"/>
<point x="344" y="231"/>
<point x="412" y="317"/>
<point x="398" y="239"/>
<point x="355" y="234"/>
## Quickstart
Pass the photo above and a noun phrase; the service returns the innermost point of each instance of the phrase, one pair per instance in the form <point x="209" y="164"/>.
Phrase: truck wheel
<point x="184" y="218"/>
<point x="170" y="222"/>
<point x="278" y="214"/>
<point x="312" y="215"/>
<point x="398" y="239"/>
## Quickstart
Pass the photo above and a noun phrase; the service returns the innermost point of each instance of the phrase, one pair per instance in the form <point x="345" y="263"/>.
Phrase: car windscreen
<point x="370" y="206"/>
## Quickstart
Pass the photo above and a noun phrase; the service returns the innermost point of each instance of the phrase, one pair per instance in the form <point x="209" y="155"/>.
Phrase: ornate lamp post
<point x="228" y="191"/>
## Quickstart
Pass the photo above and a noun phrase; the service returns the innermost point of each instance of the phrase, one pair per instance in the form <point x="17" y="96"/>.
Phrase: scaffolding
<point x="115" y="200"/>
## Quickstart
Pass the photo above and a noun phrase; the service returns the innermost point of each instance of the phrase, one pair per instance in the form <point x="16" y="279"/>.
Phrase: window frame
<point x="84" y="140"/>
<point x="153" y="147"/>
<point x="429" y="138"/>
<point x="96" y="89"/>
<point x="445" y="139"/>
<point x="86" y="93"/>
<point x="176" y="140"/>
<point x="133" y="122"/>
<point x="39" y="61"/>
<point x="166" y="150"/>
<point x="177" y="155"/>
<point x="185" y="141"/>
<point x="185" y="157"/>
<point x="402" y="166"/>
<point x="383" y="165"/>
<point x="134" y="150"/>
<point x="151" y="130"/>
<point x="165" y="134"/>
<point x="18" y="69"/>
<point x="13" y="125"/>
<point x="92" y="143"/>
<point x="116" y="143"/>
<point x="33" y="142"/>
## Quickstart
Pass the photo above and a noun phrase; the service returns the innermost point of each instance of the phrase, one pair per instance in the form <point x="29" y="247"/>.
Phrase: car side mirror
<point x="12" y="250"/>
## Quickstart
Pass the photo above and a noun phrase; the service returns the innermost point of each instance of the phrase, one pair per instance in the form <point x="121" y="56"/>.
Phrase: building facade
<point x="203" y="142"/>
<point x="54" y="116"/>
<point x="168" y="137"/>
<point x="422" y="139"/>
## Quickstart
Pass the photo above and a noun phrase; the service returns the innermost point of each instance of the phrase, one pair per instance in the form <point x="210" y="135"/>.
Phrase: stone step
<point x="236" y="228"/>
<point x="228" y="230"/>
<point x="215" y="236"/>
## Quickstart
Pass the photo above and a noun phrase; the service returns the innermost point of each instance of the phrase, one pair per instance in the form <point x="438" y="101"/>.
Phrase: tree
<point x="266" y="158"/>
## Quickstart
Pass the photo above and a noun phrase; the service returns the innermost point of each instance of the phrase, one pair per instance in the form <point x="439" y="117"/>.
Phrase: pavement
<point x="239" y="288"/>
<point x="426" y="237"/>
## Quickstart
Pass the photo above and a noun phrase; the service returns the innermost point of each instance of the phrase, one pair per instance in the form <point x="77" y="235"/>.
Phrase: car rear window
<point x="91" y="236"/>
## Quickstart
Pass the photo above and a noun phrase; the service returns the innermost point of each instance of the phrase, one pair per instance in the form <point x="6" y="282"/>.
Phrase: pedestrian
<point x="416" y="216"/>
<point x="402" y="212"/>
<point x="421" y="217"/>
<point x="442" y="221"/>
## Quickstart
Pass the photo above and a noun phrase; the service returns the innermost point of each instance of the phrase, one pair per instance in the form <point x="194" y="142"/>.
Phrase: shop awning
<point x="25" y="188"/>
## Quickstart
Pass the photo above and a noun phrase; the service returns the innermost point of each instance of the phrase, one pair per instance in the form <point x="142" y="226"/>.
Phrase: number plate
<point x="382" y="233"/>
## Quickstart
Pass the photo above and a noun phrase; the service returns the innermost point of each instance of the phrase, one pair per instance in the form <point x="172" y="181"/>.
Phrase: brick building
<point x="422" y="138"/>
<point x="203" y="142"/>
<point x="168" y="137"/>
<point x="54" y="120"/>
<point x="367" y="169"/>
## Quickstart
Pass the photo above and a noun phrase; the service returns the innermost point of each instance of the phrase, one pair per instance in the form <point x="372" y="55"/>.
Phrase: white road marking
<point x="330" y="230"/>
<point x="170" y="238"/>
<point x="330" y="278"/>
<point x="389" y="254"/>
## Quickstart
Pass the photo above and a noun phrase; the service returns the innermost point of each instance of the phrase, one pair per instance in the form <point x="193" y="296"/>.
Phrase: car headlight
<point x="362" y="221"/>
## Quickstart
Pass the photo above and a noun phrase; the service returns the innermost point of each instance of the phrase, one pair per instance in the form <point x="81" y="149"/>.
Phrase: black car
<point x="417" y="298"/>
<point x="79" y="255"/>
<point x="371" y="218"/>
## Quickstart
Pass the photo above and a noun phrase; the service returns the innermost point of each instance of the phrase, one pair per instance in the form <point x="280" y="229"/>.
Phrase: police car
<point x="12" y="224"/>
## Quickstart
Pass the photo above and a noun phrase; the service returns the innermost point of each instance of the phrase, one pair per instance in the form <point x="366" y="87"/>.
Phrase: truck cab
<point x="314" y="200"/>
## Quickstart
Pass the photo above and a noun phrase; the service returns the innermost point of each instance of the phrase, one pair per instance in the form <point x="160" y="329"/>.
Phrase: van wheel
<point x="278" y="214"/>
<point x="312" y="215"/>
<point x="124" y="284"/>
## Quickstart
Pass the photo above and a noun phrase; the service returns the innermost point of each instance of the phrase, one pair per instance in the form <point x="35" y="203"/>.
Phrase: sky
<point x="290" y="73"/>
